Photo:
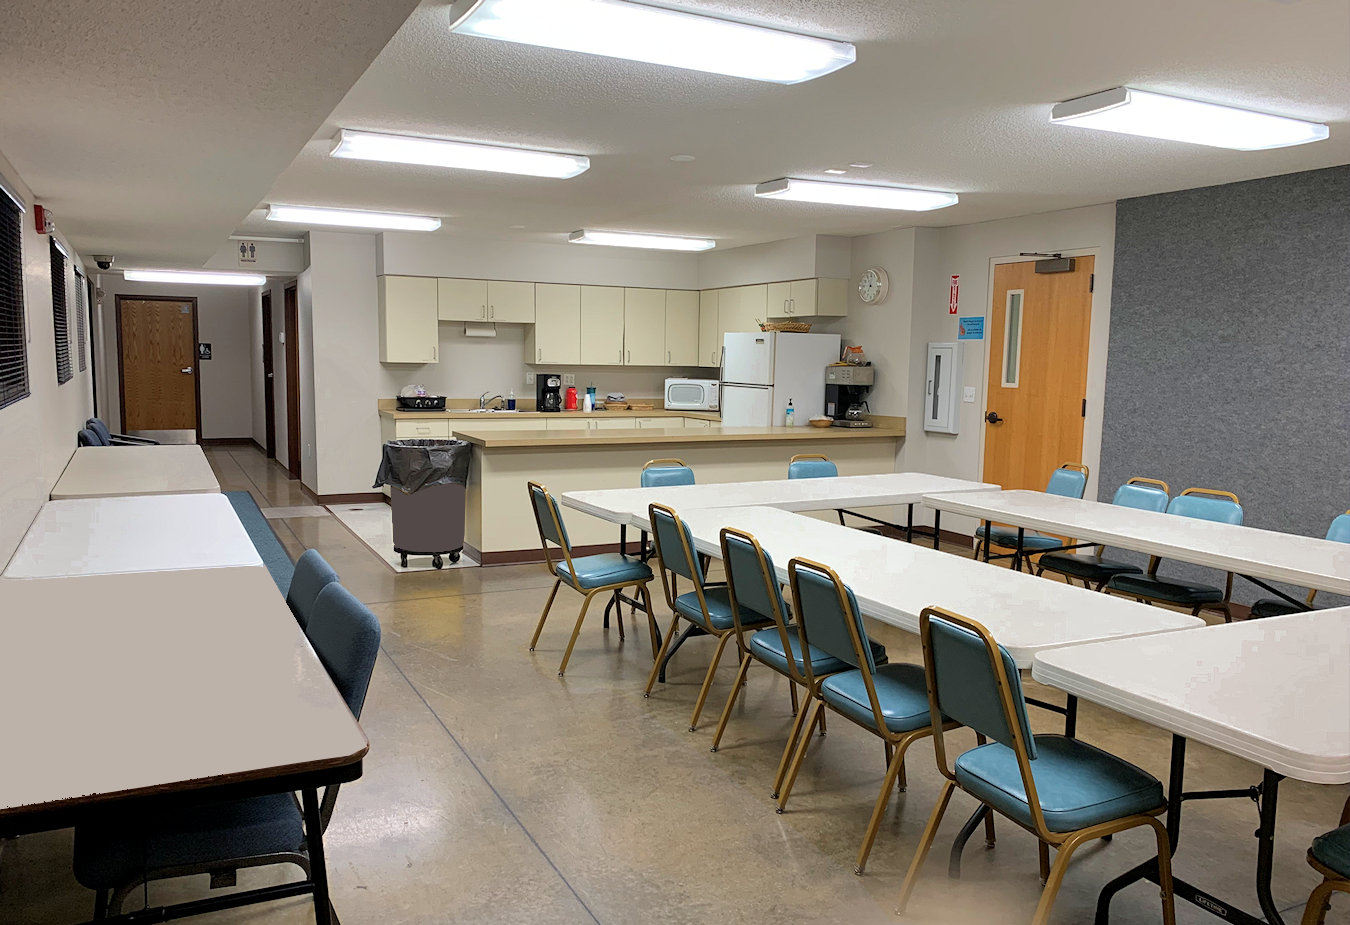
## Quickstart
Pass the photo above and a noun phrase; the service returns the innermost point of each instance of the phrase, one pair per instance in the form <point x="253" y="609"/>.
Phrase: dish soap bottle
<point x="787" y="415"/>
<point x="511" y="400"/>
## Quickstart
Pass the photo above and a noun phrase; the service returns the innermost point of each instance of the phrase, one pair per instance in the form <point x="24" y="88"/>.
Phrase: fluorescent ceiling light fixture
<point x="437" y="152"/>
<point x="350" y="218"/>
<point x="856" y="194"/>
<point x="195" y="277"/>
<point x="266" y="239"/>
<point x="1139" y="112"/>
<point x="619" y="29"/>
<point x="661" y="242"/>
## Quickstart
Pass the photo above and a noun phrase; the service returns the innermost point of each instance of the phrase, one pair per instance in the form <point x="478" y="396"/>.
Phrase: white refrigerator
<point x="761" y="372"/>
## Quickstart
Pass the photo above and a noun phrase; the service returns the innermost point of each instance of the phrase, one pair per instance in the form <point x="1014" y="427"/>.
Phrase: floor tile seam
<point x="495" y="792"/>
<point x="438" y="596"/>
<point x="263" y="492"/>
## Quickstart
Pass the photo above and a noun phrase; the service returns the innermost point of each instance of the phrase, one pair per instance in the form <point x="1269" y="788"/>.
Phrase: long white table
<point x="96" y="536"/>
<point x="108" y="471"/>
<point x="1252" y="553"/>
<point x="1275" y="692"/>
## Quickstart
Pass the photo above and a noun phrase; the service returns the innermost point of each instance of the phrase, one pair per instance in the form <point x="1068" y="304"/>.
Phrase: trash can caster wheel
<point x="404" y="559"/>
<point x="454" y="557"/>
<point x="437" y="562"/>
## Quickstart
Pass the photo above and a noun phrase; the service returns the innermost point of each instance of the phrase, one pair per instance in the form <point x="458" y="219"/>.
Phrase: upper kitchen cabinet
<point x="644" y="327"/>
<point x="808" y="298"/>
<point x="741" y="309"/>
<point x="709" y="334"/>
<point x="510" y="301"/>
<point x="407" y="319"/>
<point x="601" y="325"/>
<point x="462" y="299"/>
<point x="556" y="336"/>
<point x="682" y="314"/>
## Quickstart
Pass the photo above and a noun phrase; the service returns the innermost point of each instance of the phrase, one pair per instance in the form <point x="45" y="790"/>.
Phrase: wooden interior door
<point x="157" y="344"/>
<point x="269" y="380"/>
<point x="292" y="334"/>
<point x="1037" y="387"/>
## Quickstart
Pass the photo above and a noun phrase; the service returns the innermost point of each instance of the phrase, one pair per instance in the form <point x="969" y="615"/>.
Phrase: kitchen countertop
<point x="462" y="414"/>
<point x="493" y="439"/>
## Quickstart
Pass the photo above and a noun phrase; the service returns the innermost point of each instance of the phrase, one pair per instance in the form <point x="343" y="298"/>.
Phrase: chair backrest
<point x="752" y="586"/>
<point x="98" y="427"/>
<point x="346" y="637"/>
<point x="1069" y="480"/>
<point x="548" y="519"/>
<point x="1339" y="531"/>
<point x="827" y="614"/>
<point x="811" y="466"/>
<point x="1207" y="504"/>
<point x="1142" y="495"/>
<point x="310" y="577"/>
<point x="674" y="543"/>
<point x="658" y="473"/>
<point x="87" y="437"/>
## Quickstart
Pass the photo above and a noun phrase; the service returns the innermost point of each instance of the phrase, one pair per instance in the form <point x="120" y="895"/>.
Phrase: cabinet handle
<point x="667" y="357"/>
<point x="630" y="356"/>
<point x="492" y="311"/>
<point x="434" y="357"/>
<point x="540" y="357"/>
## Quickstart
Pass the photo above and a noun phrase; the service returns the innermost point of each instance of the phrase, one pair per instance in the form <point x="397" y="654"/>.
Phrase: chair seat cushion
<point x="767" y="646"/>
<point x="1160" y="589"/>
<point x="1091" y="568"/>
<point x="1273" y="607"/>
<point x="1333" y="850"/>
<point x="719" y="608"/>
<point x="901" y="692"/>
<point x="117" y="848"/>
<point x="608" y="568"/>
<point x="1007" y="539"/>
<point x="1078" y="785"/>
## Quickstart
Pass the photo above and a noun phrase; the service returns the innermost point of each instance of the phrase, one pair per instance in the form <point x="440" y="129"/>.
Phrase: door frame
<point x="196" y="363"/>
<point x="1099" y="324"/>
<point x="269" y="379"/>
<point x="291" y="327"/>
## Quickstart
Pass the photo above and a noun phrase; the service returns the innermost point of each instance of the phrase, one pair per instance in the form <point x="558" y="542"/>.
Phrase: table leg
<point x="909" y="524"/>
<point x="623" y="539"/>
<point x="967" y="830"/>
<point x="988" y="529"/>
<point x="1017" y="556"/>
<point x="937" y="531"/>
<point x="1071" y="716"/>
<point x="1265" y="846"/>
<point x="690" y="630"/>
<point x="318" y="869"/>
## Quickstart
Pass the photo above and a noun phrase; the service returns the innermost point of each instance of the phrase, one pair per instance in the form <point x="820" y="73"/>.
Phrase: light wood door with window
<point x="157" y="342"/>
<point x="1038" y="351"/>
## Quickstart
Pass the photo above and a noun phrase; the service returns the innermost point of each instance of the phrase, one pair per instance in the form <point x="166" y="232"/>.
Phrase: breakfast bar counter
<point x="648" y="436"/>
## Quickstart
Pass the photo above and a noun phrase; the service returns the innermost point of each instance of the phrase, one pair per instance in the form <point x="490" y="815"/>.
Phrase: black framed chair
<point x="1330" y="857"/>
<point x="1092" y="570"/>
<point x="1061" y="790"/>
<point x="605" y="573"/>
<point x="1338" y="532"/>
<point x="1069" y="481"/>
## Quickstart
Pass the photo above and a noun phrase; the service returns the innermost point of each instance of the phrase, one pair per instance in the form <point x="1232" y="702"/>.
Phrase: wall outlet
<point x="968" y="396"/>
<point x="569" y="378"/>
<point x="529" y="378"/>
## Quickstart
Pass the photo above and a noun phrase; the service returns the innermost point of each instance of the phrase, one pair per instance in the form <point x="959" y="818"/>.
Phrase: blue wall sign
<point x="970" y="328"/>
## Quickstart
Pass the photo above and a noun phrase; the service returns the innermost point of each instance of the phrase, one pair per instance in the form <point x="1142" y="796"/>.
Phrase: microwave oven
<point x="691" y="395"/>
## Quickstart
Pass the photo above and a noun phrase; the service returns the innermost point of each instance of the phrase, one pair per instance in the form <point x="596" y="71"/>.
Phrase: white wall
<point x="309" y="355"/>
<point x="37" y="433"/>
<point x="792" y="258"/>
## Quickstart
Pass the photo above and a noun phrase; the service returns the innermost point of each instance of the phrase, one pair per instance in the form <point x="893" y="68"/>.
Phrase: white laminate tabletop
<point x="1300" y="560"/>
<point x="99" y="536"/>
<point x="893" y="581"/>
<point x="104" y="471"/>
<point x="629" y="505"/>
<point x="1275" y="691"/>
<point x="118" y="685"/>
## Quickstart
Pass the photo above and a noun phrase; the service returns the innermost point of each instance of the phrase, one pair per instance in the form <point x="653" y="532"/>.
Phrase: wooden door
<point x="292" y="312"/>
<point x="269" y="379"/>
<point x="157" y="344"/>
<point x="1037" y="387"/>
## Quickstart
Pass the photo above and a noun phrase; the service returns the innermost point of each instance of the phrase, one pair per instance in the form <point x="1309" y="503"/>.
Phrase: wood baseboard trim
<point x="258" y="446"/>
<point x="227" y="441"/>
<point x="360" y="497"/>
<point x="523" y="556"/>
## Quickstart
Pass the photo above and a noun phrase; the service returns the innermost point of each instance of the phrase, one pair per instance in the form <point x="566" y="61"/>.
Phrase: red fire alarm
<point x="42" y="218"/>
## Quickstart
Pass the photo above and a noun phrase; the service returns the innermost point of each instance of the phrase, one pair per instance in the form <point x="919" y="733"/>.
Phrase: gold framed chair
<point x="1077" y="793"/>
<point x="1070" y="481"/>
<point x="1338" y="532"/>
<point x="659" y="472"/>
<point x="814" y="466"/>
<point x="1142" y="494"/>
<point x="595" y="575"/>
<point x="1330" y="857"/>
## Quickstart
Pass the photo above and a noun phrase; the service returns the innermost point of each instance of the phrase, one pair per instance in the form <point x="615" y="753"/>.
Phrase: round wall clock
<point x="873" y="285"/>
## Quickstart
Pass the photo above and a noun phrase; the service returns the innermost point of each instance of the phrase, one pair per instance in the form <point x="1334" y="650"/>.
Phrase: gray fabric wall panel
<point x="1229" y="356"/>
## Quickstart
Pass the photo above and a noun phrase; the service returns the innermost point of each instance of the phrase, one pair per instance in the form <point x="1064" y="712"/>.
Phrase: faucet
<point x="484" y="401"/>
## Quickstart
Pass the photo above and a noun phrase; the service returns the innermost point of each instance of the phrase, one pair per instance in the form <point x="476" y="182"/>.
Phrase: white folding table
<point x="97" y="536"/>
<point x="106" y="471"/>
<point x="1258" y="555"/>
<point x="1275" y="692"/>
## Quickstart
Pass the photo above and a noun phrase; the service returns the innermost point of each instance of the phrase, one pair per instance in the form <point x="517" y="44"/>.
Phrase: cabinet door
<point x="802" y="297"/>
<point x="709" y="332"/>
<point x="624" y="423"/>
<point x="556" y="335"/>
<point x="462" y="299"/>
<point x="681" y="327"/>
<point x="779" y="300"/>
<point x="601" y="325"/>
<point x="830" y="296"/>
<point x="662" y="422"/>
<point x="747" y="309"/>
<point x="644" y="327"/>
<point x="407" y="319"/>
<point x="411" y="430"/>
<point x="697" y="422"/>
<point x="509" y="301"/>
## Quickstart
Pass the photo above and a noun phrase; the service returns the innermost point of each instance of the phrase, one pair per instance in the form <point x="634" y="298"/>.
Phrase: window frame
<point x="13" y="388"/>
<point x="60" y="311"/>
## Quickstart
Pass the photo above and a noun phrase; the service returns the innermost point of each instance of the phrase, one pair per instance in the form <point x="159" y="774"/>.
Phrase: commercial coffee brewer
<point x="846" y="386"/>
<point x="547" y="392"/>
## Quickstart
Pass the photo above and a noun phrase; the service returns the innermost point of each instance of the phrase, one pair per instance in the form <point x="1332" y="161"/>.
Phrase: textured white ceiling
<point x="944" y="95"/>
<point x="152" y="127"/>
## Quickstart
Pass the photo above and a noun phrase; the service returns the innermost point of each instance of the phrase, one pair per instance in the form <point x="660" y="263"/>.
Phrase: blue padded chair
<point x="887" y="700"/>
<point x="1060" y="789"/>
<point x="590" y="575"/>
<point x="814" y="466"/>
<point x="1203" y="504"/>
<point x="1092" y="570"/>
<point x="1069" y="481"/>
<point x="312" y="574"/>
<point x="111" y="439"/>
<point x="658" y="473"/>
<point x="1330" y="857"/>
<point x="757" y="597"/>
<point x="87" y="437"/>
<point x="1338" y="532"/>
<point x="122" y="849"/>
<point x="707" y="607"/>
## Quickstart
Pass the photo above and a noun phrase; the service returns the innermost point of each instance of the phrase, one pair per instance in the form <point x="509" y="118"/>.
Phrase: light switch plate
<point x="968" y="396"/>
<point x="569" y="378"/>
<point x="529" y="378"/>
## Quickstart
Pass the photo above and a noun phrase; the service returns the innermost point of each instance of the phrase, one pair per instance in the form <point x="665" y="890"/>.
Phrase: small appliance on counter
<point x="548" y="391"/>
<point x="691" y="395"/>
<point x="845" y="387"/>
<point x="415" y="398"/>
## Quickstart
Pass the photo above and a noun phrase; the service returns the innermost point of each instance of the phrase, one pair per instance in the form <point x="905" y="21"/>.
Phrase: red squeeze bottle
<point x="570" y="403"/>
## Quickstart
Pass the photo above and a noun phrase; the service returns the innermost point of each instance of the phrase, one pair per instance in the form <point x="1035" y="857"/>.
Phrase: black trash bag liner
<point x="410" y="465"/>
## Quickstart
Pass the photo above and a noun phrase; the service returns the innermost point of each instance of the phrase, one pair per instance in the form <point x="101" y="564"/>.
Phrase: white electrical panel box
<point x="941" y="402"/>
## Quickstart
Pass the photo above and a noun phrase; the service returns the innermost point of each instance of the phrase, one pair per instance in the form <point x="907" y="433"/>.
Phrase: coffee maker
<point x="547" y="392"/>
<point x="845" y="387"/>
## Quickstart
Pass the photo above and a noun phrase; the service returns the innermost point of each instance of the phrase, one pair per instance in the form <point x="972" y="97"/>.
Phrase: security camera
<point x="104" y="261"/>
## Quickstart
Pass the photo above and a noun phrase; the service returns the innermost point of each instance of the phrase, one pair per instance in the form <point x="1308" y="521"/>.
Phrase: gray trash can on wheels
<point x="426" y="480"/>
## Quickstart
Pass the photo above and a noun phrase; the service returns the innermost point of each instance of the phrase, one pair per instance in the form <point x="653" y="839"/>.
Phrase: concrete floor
<point x="496" y="793"/>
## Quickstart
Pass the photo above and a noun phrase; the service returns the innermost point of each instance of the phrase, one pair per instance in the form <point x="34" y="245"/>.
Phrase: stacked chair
<point x="96" y="433"/>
